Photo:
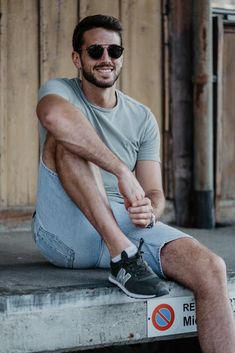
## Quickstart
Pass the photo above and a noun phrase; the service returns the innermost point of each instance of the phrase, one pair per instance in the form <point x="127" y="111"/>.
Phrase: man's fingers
<point x="144" y="201"/>
<point x="141" y="222"/>
<point x="140" y="212"/>
<point x="139" y="216"/>
<point x="141" y="209"/>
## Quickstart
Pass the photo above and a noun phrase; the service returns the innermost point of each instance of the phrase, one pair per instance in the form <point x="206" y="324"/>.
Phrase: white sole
<point x="130" y="294"/>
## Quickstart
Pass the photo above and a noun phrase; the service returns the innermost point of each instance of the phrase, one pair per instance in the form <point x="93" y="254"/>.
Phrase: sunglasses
<point x="96" y="51"/>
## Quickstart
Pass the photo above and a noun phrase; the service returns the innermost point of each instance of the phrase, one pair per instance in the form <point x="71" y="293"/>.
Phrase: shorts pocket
<point x="55" y="250"/>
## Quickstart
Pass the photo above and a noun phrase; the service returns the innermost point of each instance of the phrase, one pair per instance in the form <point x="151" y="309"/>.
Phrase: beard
<point x="101" y="83"/>
<point x="98" y="83"/>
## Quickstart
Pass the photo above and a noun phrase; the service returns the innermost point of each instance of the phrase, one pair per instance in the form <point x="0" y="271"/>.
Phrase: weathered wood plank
<point x="225" y="212"/>
<point x="225" y="125"/>
<point x="181" y="107"/>
<point x="57" y="22"/>
<point x="20" y="128"/>
<point x="94" y="7"/>
<point x="3" y="104"/>
<point x="167" y="167"/>
<point x="228" y="122"/>
<point x="142" y="75"/>
<point x="219" y="110"/>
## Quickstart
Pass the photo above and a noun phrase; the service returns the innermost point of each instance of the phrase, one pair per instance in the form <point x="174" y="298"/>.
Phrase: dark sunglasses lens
<point x="115" y="51"/>
<point x="95" y="51"/>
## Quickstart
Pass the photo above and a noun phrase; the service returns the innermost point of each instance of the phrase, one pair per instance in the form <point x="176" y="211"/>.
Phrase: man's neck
<point x="102" y="97"/>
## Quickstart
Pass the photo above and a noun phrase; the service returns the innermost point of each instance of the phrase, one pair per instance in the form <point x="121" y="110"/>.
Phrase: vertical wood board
<point x="57" y="21"/>
<point x="20" y="129"/>
<point x="228" y="121"/>
<point x="94" y="7"/>
<point x="167" y="166"/>
<point x="142" y="71"/>
<point x="181" y="107"/>
<point x="219" y="104"/>
<point x="225" y="145"/>
<point x="3" y="104"/>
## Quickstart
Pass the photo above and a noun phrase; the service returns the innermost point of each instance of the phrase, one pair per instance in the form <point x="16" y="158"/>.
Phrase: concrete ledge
<point x="73" y="319"/>
<point x="69" y="319"/>
<point x="47" y="309"/>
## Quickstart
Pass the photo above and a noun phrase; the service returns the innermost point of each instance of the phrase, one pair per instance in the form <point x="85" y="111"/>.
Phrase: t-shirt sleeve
<point x="55" y="86"/>
<point x="150" y="142"/>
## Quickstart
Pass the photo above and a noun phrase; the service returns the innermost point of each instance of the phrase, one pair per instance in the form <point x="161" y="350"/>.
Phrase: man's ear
<point x="76" y="60"/>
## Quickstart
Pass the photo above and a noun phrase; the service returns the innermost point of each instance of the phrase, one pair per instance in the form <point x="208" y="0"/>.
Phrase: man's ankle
<point x="130" y="251"/>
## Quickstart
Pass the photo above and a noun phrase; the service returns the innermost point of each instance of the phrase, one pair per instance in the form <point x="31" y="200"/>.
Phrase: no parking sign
<point x="163" y="317"/>
<point x="172" y="316"/>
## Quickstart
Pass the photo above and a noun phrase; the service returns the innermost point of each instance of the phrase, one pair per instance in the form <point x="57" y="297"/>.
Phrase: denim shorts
<point x="67" y="239"/>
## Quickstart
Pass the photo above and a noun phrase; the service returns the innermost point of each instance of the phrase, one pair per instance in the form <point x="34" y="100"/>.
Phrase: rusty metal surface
<point x="202" y="98"/>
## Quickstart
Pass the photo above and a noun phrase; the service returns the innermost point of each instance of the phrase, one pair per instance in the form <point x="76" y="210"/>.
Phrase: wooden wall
<point x="35" y="45"/>
<point x="18" y="91"/>
<point x="225" y="133"/>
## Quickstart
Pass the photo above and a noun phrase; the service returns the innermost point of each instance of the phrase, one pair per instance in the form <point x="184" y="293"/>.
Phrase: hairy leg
<point x="82" y="181"/>
<point x="193" y="265"/>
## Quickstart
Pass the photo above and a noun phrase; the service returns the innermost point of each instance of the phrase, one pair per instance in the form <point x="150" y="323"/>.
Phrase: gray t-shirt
<point x="129" y="129"/>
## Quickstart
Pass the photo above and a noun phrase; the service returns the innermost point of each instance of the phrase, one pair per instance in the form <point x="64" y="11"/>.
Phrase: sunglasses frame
<point x="109" y="48"/>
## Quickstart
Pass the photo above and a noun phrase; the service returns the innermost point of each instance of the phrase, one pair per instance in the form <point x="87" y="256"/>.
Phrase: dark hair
<point x="108" y="22"/>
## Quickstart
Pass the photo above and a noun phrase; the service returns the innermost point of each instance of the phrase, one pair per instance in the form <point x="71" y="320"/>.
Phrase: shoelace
<point x="140" y="246"/>
<point x="137" y="260"/>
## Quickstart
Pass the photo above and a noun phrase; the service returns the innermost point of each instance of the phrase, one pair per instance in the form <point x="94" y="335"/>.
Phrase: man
<point x="91" y="206"/>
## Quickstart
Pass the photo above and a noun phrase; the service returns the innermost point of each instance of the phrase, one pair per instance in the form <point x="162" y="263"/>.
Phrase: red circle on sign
<point x="163" y="317"/>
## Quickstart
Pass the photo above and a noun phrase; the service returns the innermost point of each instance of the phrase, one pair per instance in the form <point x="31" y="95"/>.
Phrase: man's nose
<point x="105" y="55"/>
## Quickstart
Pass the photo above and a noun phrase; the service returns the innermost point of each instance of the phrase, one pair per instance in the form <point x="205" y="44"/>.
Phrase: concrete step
<point x="47" y="309"/>
<point x="91" y="313"/>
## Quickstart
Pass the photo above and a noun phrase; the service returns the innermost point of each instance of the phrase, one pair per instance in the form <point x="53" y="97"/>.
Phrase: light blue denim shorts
<point x="67" y="239"/>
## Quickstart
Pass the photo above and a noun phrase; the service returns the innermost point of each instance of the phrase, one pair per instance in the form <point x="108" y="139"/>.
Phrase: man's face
<point x="101" y="72"/>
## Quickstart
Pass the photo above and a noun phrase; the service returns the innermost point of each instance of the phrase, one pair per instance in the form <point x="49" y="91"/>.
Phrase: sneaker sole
<point x="135" y="295"/>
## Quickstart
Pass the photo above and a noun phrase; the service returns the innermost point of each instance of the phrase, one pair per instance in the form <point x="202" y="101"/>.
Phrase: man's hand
<point x="140" y="212"/>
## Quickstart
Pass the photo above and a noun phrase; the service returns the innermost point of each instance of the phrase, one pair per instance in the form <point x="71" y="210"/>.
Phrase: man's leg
<point x="197" y="268"/>
<point x="82" y="181"/>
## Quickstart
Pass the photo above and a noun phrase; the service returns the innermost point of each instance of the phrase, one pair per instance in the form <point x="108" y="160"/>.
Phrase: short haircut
<point x="108" y="22"/>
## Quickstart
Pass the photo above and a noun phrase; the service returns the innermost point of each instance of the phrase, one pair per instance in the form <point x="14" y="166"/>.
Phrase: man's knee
<point x="61" y="152"/>
<point x="193" y="265"/>
<point x="64" y="158"/>
<point x="216" y="269"/>
<point x="212" y="277"/>
<point x="71" y="165"/>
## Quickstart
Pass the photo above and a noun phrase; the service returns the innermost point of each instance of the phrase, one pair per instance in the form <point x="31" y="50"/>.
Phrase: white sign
<point x="172" y="316"/>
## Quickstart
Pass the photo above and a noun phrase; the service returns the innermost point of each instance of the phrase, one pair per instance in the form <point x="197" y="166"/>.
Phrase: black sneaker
<point x="135" y="277"/>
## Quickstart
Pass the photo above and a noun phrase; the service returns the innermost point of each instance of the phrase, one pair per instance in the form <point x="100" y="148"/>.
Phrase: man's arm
<point x="69" y="127"/>
<point x="148" y="173"/>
